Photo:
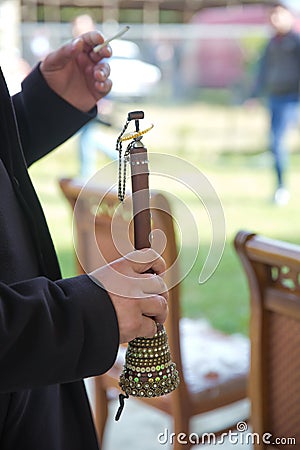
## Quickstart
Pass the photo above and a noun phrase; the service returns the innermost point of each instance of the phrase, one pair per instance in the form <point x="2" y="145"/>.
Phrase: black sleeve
<point x="55" y="332"/>
<point x="45" y="120"/>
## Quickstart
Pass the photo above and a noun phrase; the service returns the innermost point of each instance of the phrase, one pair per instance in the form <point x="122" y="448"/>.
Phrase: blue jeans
<point x="284" y="114"/>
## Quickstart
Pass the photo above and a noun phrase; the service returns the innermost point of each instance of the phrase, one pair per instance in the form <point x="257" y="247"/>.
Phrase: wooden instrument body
<point x="140" y="195"/>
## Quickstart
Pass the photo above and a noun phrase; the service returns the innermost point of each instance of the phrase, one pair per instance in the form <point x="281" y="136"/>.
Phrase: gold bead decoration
<point x="149" y="371"/>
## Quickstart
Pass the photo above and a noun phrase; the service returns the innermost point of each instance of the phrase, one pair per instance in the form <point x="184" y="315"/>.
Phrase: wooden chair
<point x="196" y="394"/>
<point x="273" y="271"/>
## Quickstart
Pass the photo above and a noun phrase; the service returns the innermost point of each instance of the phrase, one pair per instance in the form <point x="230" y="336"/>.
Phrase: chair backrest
<point x="104" y="232"/>
<point x="273" y="272"/>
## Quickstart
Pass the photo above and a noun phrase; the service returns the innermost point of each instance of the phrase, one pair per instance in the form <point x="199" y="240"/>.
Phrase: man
<point x="55" y="332"/>
<point x="278" y="78"/>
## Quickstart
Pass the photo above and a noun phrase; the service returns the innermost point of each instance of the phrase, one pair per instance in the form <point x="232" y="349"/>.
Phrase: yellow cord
<point x="135" y="134"/>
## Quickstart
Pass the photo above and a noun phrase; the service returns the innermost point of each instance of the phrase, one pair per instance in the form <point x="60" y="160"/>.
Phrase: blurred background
<point x="189" y="65"/>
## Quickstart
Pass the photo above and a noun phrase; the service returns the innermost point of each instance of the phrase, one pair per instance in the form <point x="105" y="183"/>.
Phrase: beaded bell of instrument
<point x="148" y="370"/>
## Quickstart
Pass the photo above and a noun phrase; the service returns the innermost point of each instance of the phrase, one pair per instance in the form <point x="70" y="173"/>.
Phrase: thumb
<point x="58" y="59"/>
<point x="146" y="259"/>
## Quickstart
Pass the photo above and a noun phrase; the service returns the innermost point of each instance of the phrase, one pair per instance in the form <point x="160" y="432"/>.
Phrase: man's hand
<point x="77" y="73"/>
<point x="139" y="298"/>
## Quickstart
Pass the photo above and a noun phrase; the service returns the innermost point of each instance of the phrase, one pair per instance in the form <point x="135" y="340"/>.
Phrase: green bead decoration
<point x="149" y="371"/>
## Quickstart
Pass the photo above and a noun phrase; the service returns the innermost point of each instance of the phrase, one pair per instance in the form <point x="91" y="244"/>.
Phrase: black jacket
<point x="279" y="66"/>
<point x="53" y="332"/>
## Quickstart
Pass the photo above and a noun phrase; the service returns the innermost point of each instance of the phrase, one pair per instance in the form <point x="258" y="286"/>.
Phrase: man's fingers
<point x="85" y="42"/>
<point x="148" y="328"/>
<point x="90" y="41"/>
<point x="58" y="59"/>
<point x="101" y="71"/>
<point x="146" y="259"/>
<point x="103" y="87"/>
<point x="156" y="307"/>
<point x="153" y="284"/>
<point x="93" y="38"/>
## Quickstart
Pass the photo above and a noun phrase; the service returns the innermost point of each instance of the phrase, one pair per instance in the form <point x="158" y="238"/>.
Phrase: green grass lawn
<point x="242" y="178"/>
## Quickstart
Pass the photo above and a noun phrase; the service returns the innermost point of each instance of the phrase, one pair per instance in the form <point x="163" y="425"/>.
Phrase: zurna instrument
<point x="148" y="370"/>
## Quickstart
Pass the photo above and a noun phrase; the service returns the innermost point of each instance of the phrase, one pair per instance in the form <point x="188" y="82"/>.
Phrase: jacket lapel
<point x="6" y="116"/>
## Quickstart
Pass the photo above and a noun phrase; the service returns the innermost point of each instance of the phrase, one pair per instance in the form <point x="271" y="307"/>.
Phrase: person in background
<point x="54" y="332"/>
<point x="278" y="78"/>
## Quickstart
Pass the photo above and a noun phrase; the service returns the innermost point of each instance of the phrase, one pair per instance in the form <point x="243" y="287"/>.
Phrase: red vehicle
<point x="218" y="60"/>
